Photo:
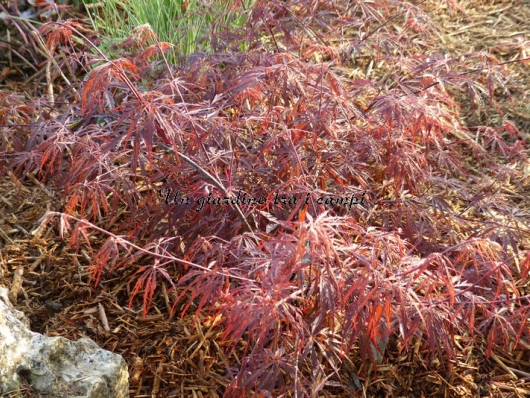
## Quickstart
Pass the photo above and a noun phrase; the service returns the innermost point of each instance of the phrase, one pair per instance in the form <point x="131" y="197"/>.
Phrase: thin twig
<point x="51" y="97"/>
<point x="212" y="179"/>
<point x="121" y="240"/>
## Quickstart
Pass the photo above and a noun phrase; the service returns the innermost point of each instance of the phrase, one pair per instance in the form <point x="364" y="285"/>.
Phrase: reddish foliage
<point x="59" y="33"/>
<point x="297" y="285"/>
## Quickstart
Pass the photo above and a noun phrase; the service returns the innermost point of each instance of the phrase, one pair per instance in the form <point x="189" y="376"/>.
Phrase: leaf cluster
<point x="436" y="248"/>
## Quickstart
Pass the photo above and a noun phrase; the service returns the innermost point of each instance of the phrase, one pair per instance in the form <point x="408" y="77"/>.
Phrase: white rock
<point x="55" y="366"/>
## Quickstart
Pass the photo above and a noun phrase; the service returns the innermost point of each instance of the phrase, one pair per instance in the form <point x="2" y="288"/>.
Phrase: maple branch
<point x="211" y="178"/>
<point x="50" y="214"/>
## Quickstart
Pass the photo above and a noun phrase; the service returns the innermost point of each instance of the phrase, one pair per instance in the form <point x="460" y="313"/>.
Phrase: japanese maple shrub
<point x="300" y="285"/>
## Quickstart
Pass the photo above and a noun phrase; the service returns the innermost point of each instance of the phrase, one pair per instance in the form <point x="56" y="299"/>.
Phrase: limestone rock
<point x="55" y="366"/>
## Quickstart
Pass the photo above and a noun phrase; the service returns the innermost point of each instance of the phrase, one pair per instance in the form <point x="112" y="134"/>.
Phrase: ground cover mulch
<point x="177" y="357"/>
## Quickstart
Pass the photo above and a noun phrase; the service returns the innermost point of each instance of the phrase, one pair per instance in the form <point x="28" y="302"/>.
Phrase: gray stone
<point x="55" y="366"/>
